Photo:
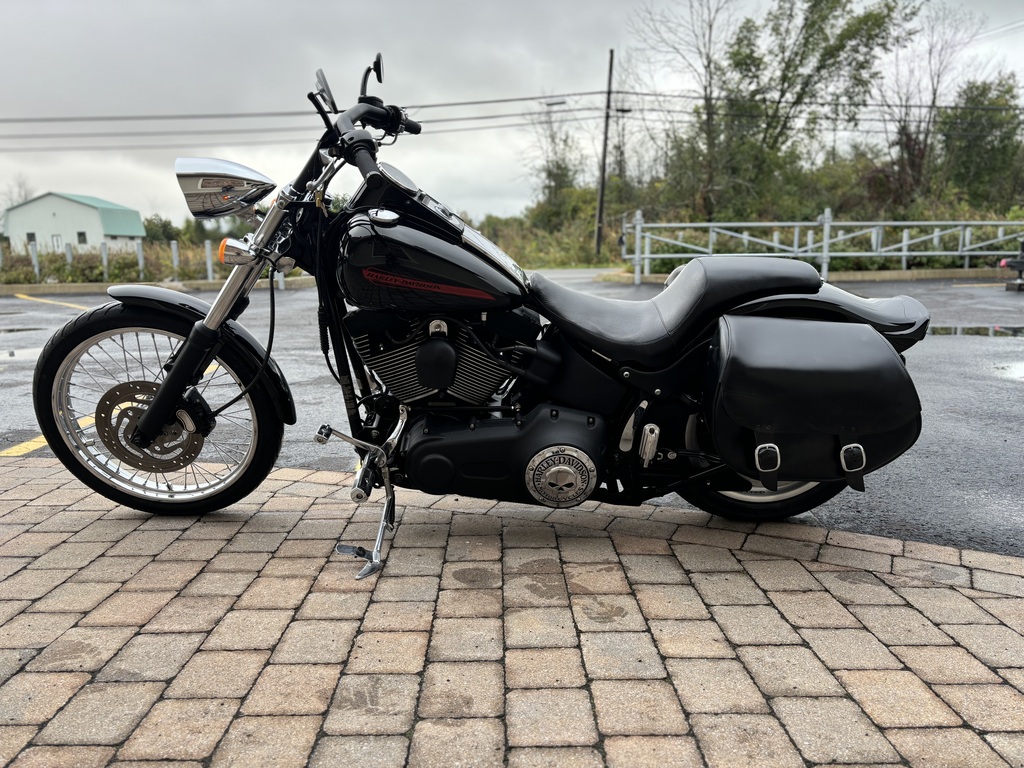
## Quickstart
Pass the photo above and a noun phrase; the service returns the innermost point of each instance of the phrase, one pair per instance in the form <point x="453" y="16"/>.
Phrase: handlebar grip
<point x="363" y="159"/>
<point x="411" y="126"/>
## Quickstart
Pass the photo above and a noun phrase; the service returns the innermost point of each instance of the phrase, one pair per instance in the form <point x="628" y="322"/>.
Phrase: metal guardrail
<point x="821" y="240"/>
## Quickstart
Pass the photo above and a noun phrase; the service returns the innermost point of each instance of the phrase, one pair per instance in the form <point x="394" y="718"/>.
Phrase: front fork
<point x="193" y="355"/>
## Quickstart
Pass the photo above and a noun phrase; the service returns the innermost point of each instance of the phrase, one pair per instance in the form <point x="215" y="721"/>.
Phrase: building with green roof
<point x="55" y="219"/>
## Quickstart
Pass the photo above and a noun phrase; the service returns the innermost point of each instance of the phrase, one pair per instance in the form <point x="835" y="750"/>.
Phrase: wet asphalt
<point x="961" y="485"/>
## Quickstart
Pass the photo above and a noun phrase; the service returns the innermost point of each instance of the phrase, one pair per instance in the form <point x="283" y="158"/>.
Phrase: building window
<point x="82" y="239"/>
<point x="58" y="243"/>
<point x="30" y="237"/>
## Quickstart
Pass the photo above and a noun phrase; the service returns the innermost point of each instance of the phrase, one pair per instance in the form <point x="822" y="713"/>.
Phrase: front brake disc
<point x="117" y="413"/>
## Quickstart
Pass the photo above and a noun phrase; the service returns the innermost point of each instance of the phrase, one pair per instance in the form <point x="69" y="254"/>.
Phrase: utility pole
<point x="604" y="156"/>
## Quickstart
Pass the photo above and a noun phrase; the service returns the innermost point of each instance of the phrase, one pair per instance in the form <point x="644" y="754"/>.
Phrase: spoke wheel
<point x="96" y="377"/>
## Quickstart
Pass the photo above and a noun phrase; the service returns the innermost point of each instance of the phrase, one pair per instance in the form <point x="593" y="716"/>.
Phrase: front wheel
<point x="758" y="505"/>
<point x="95" y="378"/>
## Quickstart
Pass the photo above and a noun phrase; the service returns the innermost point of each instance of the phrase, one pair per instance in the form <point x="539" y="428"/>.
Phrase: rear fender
<point x="903" y="320"/>
<point x="192" y="309"/>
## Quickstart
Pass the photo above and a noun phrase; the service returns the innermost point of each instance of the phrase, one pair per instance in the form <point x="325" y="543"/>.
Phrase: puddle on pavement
<point x="977" y="330"/>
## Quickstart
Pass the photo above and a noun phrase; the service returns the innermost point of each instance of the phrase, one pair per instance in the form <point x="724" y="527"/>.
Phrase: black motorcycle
<point x="747" y="386"/>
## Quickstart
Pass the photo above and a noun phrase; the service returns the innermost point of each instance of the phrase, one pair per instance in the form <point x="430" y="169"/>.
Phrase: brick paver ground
<point x="497" y="634"/>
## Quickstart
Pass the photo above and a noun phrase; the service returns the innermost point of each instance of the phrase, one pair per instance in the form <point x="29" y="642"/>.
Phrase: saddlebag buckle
<point x="854" y="461"/>
<point x="768" y="459"/>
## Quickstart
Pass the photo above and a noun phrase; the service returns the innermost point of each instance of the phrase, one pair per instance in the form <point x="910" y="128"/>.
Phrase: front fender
<point x="192" y="309"/>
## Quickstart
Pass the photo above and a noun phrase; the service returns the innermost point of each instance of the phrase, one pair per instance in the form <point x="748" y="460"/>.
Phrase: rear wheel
<point x="758" y="505"/>
<point x="94" y="380"/>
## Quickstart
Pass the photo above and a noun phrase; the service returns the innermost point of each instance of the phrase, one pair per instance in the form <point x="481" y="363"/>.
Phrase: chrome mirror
<point x="215" y="188"/>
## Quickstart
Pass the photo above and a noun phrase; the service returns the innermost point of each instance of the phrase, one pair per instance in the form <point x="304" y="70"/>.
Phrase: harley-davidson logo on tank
<point x="396" y="281"/>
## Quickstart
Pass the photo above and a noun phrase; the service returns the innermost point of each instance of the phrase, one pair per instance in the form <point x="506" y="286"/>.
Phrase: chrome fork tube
<point x="239" y="283"/>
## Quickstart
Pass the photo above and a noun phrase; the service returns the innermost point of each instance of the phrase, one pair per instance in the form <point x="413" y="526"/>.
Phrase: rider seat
<point x="650" y="333"/>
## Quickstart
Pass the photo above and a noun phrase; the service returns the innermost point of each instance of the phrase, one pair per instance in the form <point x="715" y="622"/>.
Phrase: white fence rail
<point x="821" y="240"/>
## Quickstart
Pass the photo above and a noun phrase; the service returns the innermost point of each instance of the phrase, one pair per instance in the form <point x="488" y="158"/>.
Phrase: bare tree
<point x="18" y="191"/>
<point x="922" y="76"/>
<point x="687" y="40"/>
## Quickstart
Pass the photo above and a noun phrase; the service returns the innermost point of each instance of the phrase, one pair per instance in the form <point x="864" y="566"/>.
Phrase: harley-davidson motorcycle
<point x="747" y="386"/>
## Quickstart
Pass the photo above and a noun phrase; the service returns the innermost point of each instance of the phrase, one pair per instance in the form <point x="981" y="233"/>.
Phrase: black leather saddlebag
<point x="808" y="400"/>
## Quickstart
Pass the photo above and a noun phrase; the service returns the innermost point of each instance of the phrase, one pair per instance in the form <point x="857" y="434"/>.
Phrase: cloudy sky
<point x="97" y="58"/>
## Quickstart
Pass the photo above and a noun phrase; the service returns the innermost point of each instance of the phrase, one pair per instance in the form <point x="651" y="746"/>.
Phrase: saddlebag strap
<point x="853" y="460"/>
<point x="767" y="459"/>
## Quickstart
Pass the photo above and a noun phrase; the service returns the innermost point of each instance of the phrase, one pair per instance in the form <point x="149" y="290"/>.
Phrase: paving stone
<point x="607" y="613"/>
<point x="36" y="630"/>
<point x="151" y="657"/>
<point x="230" y="562"/>
<point x="463" y="548"/>
<point x="190" y="614"/>
<point x="531" y="560"/>
<point x="292" y="689"/>
<point x="101" y="713"/>
<point x="282" y="742"/>
<point x="471" y="575"/>
<point x="781" y="575"/>
<point x="897" y="699"/>
<point x="414" y="561"/>
<point x="731" y="588"/>
<point x="849" y="649"/>
<point x="388" y="653"/>
<point x="379" y="751"/>
<point x="106" y="530"/>
<point x="11" y="608"/>
<point x="699" y="558"/>
<point x="549" y="718"/>
<point x="832" y="730"/>
<point x="789" y="671"/>
<point x="535" y="590"/>
<point x="407" y="589"/>
<point x="183" y="729"/>
<point x="218" y="674"/>
<point x="269" y="592"/>
<point x="745" y="740"/>
<point x="76" y="597"/>
<point x="813" y="609"/>
<point x="139" y="543"/>
<point x="334" y="605"/>
<point x="899" y="625"/>
<point x="942" y="664"/>
<point x="945" y="747"/>
<point x="544" y="668"/>
<point x="373" y="705"/>
<point x="715" y="686"/>
<point x="632" y="751"/>
<point x="34" y="697"/>
<point x="587" y="549"/>
<point x="754" y="625"/>
<point x="202" y="550"/>
<point x="628" y="544"/>
<point x="72" y="555"/>
<point x="934" y="572"/>
<point x="637" y="708"/>
<point x="466" y="640"/>
<point x="986" y="707"/>
<point x="1009" y="745"/>
<point x="621" y="656"/>
<point x="462" y="689"/>
<point x="670" y="601"/>
<point x="945" y="606"/>
<point x="127" y="609"/>
<point x="691" y="639"/>
<point x="771" y="545"/>
<point x="546" y="757"/>
<point x="519" y="535"/>
<point x="994" y="645"/>
<point x="397" y="617"/>
<point x="855" y="558"/>
<point x="653" y="569"/>
<point x="469" y="603"/>
<point x="315" y="642"/>
<point x="596" y="579"/>
<point x="448" y="742"/>
<point x="858" y="587"/>
<point x="31" y="585"/>
<point x="163" y="575"/>
<point x="12" y="660"/>
<point x="110" y="569"/>
<point x="12" y="739"/>
<point x="248" y="630"/>
<point x="475" y="525"/>
<point x="32" y="544"/>
<point x="52" y="757"/>
<point x="81" y="649"/>
<point x="539" y="628"/>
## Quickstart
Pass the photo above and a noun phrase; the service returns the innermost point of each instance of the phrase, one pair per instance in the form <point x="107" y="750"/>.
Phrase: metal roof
<point x="116" y="219"/>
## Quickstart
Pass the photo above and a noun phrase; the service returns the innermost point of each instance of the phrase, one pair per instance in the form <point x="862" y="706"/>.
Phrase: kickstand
<point x="387" y="522"/>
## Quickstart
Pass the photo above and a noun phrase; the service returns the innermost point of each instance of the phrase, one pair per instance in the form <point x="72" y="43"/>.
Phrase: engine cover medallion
<point x="561" y="476"/>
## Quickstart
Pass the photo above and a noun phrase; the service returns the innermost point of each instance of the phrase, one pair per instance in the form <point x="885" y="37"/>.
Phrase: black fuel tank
<point x="396" y="266"/>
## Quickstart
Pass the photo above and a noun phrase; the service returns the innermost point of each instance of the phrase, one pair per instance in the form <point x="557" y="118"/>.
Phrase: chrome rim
<point x="109" y="378"/>
<point x="758" y="494"/>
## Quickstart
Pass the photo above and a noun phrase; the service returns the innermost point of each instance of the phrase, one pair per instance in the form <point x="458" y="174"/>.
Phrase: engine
<point x="443" y="358"/>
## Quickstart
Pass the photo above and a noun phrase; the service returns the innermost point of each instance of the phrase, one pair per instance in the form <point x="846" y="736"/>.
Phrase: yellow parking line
<point x="48" y="301"/>
<point x="40" y="442"/>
